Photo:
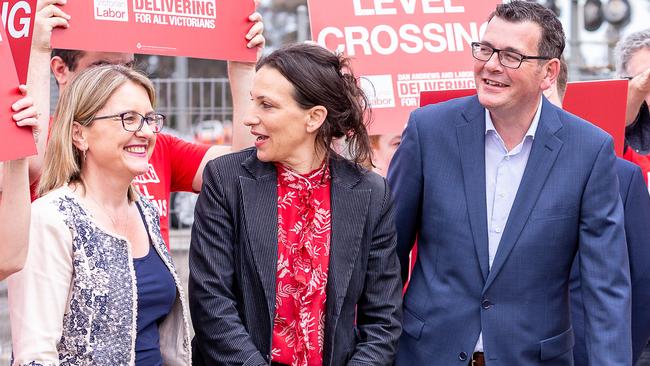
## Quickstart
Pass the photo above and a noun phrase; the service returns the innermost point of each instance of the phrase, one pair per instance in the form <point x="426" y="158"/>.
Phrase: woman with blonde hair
<point x="98" y="286"/>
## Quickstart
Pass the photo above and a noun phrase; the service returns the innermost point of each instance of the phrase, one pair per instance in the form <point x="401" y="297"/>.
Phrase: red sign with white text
<point x="400" y="48"/>
<point x="213" y="29"/>
<point x="600" y="102"/>
<point x="18" y="19"/>
<point x="15" y="142"/>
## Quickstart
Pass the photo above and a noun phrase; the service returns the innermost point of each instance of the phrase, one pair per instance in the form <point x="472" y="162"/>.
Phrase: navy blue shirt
<point x="156" y="296"/>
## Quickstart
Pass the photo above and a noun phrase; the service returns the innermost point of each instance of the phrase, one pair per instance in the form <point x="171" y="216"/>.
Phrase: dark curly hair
<point x="320" y="77"/>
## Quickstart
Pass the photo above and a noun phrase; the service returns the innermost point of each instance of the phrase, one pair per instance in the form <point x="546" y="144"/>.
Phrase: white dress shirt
<point x="503" y="172"/>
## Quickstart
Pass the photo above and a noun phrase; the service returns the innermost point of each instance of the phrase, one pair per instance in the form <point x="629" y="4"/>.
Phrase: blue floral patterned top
<point x="75" y="302"/>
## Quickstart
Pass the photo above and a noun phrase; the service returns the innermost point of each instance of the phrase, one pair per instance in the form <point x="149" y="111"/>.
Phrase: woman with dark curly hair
<point x="292" y="259"/>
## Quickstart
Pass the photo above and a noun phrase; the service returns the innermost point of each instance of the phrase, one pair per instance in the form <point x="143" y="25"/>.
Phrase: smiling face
<point x="285" y="132"/>
<point x="502" y="90"/>
<point x="110" y="148"/>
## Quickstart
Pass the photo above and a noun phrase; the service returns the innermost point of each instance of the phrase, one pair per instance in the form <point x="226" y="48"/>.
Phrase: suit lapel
<point x="543" y="154"/>
<point x="471" y="141"/>
<point x="259" y="196"/>
<point x="349" y="212"/>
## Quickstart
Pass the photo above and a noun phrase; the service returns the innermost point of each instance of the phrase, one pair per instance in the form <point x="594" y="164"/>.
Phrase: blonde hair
<point x="79" y="102"/>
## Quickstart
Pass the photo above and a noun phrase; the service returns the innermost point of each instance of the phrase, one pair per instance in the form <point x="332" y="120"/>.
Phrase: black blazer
<point x="233" y="259"/>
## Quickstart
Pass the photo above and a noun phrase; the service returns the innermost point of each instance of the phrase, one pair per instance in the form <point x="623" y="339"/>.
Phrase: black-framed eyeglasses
<point x="133" y="121"/>
<point x="509" y="59"/>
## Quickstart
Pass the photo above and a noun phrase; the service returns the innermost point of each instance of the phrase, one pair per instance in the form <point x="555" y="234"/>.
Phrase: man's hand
<point x="48" y="16"/>
<point x="25" y="114"/>
<point x="641" y="83"/>
<point x="255" y="35"/>
<point x="638" y="90"/>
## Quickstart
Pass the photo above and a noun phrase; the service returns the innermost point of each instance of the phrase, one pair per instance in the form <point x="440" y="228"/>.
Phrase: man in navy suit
<point x="503" y="190"/>
<point x="636" y="208"/>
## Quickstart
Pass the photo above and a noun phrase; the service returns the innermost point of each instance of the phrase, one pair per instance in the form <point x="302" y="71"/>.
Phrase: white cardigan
<point x="75" y="301"/>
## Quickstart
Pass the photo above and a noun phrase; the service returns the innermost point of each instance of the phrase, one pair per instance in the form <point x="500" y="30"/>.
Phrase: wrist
<point x="41" y="50"/>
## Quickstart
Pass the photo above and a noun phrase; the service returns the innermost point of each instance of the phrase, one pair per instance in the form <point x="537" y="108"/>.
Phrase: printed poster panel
<point x="18" y="19"/>
<point x="600" y="102"/>
<point x="15" y="142"/>
<point x="402" y="47"/>
<point x="212" y="29"/>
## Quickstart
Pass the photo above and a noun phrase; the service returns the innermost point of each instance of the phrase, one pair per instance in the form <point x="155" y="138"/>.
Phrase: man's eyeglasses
<point x="133" y="121"/>
<point x="509" y="59"/>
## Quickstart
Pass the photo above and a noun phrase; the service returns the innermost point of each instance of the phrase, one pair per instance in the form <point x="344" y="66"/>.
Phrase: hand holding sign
<point x="26" y="114"/>
<point x="48" y="17"/>
<point x="255" y="34"/>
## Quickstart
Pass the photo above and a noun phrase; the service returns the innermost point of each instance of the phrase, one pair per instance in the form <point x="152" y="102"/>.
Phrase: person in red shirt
<point x="14" y="196"/>
<point x="176" y="165"/>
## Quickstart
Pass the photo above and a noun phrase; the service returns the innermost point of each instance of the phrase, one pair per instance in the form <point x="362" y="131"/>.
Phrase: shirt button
<point x="507" y="157"/>
<point x="462" y="356"/>
<point x="497" y="230"/>
<point x="501" y="195"/>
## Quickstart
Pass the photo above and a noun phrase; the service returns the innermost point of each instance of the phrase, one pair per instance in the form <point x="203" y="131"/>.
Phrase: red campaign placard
<point x="600" y="102"/>
<point x="18" y="19"/>
<point x="15" y="142"/>
<point x="213" y="29"/>
<point x="400" y="48"/>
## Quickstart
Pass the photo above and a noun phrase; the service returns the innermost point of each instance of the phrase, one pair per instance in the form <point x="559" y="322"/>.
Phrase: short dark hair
<point x="320" y="77"/>
<point x="552" y="41"/>
<point x="70" y="57"/>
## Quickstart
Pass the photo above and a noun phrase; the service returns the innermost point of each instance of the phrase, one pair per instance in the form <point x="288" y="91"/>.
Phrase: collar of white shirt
<point x="489" y="125"/>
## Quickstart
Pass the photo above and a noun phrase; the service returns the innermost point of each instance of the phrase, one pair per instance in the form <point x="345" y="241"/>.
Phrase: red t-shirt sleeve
<point x="185" y="159"/>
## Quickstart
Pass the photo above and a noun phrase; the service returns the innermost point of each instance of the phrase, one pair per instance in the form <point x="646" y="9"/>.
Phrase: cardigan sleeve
<point x="38" y="295"/>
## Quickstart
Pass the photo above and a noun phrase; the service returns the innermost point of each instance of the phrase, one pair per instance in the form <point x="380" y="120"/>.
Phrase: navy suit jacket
<point x="234" y="256"/>
<point x="567" y="202"/>
<point x="636" y="204"/>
